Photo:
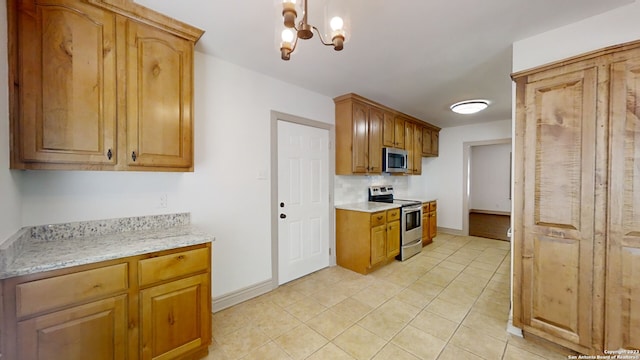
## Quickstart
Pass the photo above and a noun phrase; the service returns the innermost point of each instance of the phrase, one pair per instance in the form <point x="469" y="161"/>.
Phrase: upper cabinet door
<point x="159" y="68"/>
<point x="623" y="275"/>
<point x="360" y="152"/>
<point x="399" y="132"/>
<point x="66" y="82"/>
<point x="376" y="121"/>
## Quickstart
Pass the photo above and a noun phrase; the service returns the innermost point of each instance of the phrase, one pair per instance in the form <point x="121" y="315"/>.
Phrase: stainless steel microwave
<point x="394" y="160"/>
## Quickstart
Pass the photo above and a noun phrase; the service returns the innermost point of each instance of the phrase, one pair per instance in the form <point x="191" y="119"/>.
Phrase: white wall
<point x="442" y="176"/>
<point x="10" y="204"/>
<point x="611" y="28"/>
<point x="224" y="195"/>
<point x="489" y="177"/>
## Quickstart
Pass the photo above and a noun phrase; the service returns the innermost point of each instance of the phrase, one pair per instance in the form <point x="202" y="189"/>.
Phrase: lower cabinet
<point x="168" y="311"/>
<point x="152" y="306"/>
<point x="97" y="330"/>
<point x="429" y="222"/>
<point x="366" y="241"/>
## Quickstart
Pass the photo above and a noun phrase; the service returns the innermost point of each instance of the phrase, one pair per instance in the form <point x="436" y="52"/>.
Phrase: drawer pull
<point x="380" y="217"/>
<point x="181" y="257"/>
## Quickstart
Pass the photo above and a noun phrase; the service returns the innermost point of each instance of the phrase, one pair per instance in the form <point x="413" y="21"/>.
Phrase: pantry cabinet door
<point x="623" y="275"/>
<point x="66" y="83"/>
<point x="159" y="68"/>
<point x="558" y="237"/>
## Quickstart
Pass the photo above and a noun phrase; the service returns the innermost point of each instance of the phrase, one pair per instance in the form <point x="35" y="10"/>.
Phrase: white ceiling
<point x="416" y="56"/>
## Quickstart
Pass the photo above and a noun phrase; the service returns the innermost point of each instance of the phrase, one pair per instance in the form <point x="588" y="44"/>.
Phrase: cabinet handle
<point x="109" y="154"/>
<point x="134" y="156"/>
<point x="380" y="217"/>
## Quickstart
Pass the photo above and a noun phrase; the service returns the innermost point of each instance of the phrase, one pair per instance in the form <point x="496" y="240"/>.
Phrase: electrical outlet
<point x="163" y="201"/>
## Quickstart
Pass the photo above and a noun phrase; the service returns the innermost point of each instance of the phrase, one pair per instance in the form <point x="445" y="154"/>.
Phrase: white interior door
<point x="303" y="200"/>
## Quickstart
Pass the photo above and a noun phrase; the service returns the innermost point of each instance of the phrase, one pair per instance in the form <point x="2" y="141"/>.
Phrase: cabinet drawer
<point x="172" y="265"/>
<point x="378" y="218"/>
<point x="393" y="214"/>
<point x="51" y="293"/>
<point x="433" y="205"/>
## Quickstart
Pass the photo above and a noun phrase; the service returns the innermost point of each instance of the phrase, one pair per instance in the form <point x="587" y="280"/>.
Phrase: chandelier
<point x="304" y="30"/>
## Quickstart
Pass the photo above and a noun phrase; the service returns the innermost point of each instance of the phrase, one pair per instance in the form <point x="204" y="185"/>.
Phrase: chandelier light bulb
<point x="302" y="30"/>
<point x="336" y="23"/>
<point x="287" y="35"/>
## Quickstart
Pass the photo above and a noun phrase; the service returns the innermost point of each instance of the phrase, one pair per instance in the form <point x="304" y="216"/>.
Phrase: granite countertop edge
<point x="28" y="252"/>
<point x="367" y="206"/>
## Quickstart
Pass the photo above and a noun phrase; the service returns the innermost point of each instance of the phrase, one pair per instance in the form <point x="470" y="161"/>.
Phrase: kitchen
<point x="240" y="259"/>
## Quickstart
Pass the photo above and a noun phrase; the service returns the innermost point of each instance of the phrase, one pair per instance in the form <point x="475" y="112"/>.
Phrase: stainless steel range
<point x="411" y="221"/>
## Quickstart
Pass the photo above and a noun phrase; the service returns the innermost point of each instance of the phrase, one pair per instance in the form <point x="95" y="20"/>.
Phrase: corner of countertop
<point x="11" y="246"/>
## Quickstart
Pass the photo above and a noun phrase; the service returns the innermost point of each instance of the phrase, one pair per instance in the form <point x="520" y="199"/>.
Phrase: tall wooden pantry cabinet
<point x="577" y="205"/>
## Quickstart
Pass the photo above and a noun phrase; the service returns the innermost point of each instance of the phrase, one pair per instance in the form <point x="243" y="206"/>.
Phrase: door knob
<point x="282" y="216"/>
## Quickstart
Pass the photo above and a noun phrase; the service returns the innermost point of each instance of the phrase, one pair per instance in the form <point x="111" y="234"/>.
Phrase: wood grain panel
<point x="36" y="296"/>
<point x="68" y="83"/>
<point x="376" y="131"/>
<point x="623" y="275"/>
<point x="97" y="328"/>
<point x="172" y="266"/>
<point x="159" y="91"/>
<point x="174" y="318"/>
<point x="559" y="200"/>
<point x="360" y="149"/>
<point x="558" y="154"/>
<point x="555" y="283"/>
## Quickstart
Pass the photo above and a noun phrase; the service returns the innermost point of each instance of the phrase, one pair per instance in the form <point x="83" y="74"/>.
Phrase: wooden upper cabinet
<point x="388" y="127"/>
<point x="376" y="123"/>
<point x="399" y="132"/>
<point x="360" y="152"/>
<point x="394" y="131"/>
<point x="359" y="137"/>
<point x="409" y="130"/>
<point x="65" y="85"/>
<point x="435" y="142"/>
<point x="426" y="141"/>
<point x="364" y="127"/>
<point x="159" y="98"/>
<point x="90" y="86"/>
<point x="417" y="150"/>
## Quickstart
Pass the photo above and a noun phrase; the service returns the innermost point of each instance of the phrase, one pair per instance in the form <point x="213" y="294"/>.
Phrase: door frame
<point x="279" y="116"/>
<point x="466" y="175"/>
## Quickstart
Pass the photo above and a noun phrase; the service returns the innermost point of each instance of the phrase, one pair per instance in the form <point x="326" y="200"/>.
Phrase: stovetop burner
<point x="384" y="194"/>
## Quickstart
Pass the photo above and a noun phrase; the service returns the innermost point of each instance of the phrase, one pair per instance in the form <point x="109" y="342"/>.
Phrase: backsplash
<point x="353" y="189"/>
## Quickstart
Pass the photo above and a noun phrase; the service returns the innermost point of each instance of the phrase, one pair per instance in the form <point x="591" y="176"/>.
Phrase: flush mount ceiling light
<point x="304" y="30"/>
<point x="469" y="106"/>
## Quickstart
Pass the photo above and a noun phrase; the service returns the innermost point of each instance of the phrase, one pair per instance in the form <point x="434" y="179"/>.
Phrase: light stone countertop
<point x="368" y="206"/>
<point x="51" y="247"/>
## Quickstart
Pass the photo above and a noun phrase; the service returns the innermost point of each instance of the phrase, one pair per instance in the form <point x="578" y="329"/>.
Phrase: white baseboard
<point x="236" y="297"/>
<point x="512" y="329"/>
<point x="449" y="231"/>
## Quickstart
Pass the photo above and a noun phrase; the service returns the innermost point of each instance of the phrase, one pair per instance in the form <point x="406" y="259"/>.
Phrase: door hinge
<point x="329" y="251"/>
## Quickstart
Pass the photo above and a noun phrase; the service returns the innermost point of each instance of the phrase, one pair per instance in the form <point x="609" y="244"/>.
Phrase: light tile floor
<point x="450" y="302"/>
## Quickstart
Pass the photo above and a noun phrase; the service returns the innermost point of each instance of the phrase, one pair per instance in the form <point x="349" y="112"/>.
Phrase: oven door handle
<point x="411" y="208"/>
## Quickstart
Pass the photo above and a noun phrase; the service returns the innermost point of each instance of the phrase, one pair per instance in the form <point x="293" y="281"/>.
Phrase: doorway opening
<point x="487" y="188"/>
